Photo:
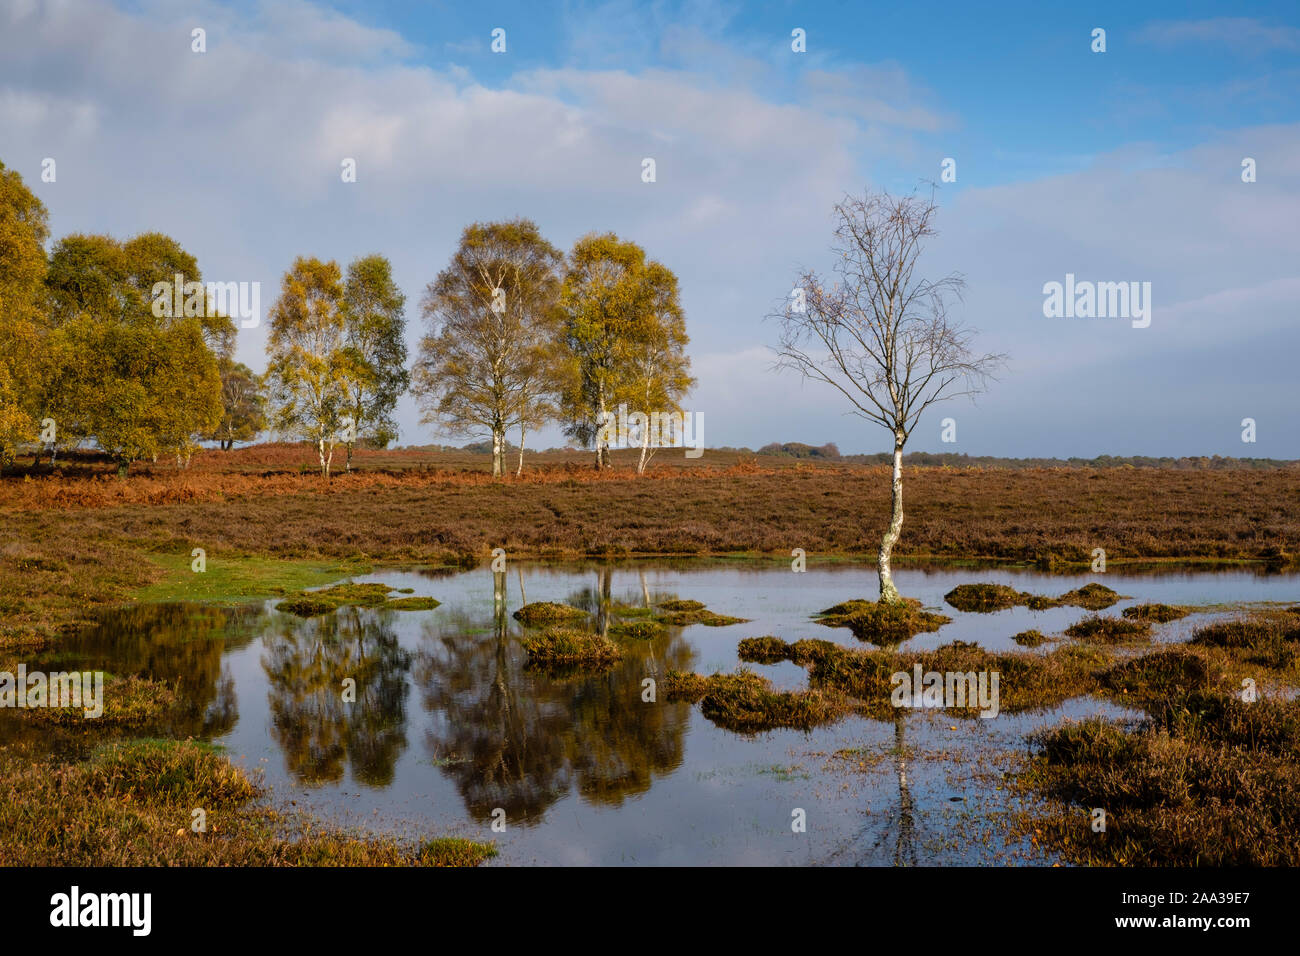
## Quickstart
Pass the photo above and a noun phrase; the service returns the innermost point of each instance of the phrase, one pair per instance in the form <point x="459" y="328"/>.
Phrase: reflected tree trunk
<point x="606" y="589"/>
<point x="499" y="593"/>
<point x="905" y="849"/>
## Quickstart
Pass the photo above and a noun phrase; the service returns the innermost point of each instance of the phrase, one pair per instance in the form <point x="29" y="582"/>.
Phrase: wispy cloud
<point x="1239" y="34"/>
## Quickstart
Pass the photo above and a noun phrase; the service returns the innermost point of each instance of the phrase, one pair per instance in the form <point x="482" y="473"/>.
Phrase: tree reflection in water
<point x="306" y="663"/>
<point x="181" y="645"/>
<point x="519" y="739"/>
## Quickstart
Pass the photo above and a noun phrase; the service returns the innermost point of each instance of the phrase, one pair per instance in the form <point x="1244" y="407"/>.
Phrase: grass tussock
<point x="1032" y="638"/>
<point x="542" y="613"/>
<point x="982" y="598"/>
<point x="986" y="598"/>
<point x="413" y="604"/>
<point x="763" y="650"/>
<point x="1156" y="613"/>
<point x="131" y="804"/>
<point x="570" y="647"/>
<point x="681" y="613"/>
<point x="1108" y="630"/>
<point x="880" y="623"/>
<point x="745" y="703"/>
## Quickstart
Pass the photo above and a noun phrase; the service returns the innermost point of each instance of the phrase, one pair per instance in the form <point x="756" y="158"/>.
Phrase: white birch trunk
<point x="888" y="593"/>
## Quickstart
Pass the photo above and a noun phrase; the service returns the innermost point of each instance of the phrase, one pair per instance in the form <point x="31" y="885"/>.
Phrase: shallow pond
<point x="451" y="731"/>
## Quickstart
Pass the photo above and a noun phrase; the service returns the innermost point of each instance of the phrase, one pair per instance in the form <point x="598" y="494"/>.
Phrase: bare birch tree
<point x="881" y="335"/>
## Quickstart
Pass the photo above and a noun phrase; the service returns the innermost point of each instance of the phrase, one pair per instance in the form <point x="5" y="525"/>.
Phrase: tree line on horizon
<point x="517" y="335"/>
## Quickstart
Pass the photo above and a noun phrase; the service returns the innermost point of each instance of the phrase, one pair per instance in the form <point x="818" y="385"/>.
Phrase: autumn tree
<point x="607" y="304"/>
<point x="137" y="389"/>
<point x="657" y="373"/>
<point x="309" y="361"/>
<point x="375" y="330"/>
<point x="485" y="363"/>
<point x="880" y="334"/>
<point x="243" y="405"/>
<point x="103" y="276"/>
<point x="23" y="265"/>
<point x="140" y="381"/>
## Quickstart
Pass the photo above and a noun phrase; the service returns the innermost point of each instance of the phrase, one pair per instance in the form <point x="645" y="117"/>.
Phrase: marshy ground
<point x="1151" y="673"/>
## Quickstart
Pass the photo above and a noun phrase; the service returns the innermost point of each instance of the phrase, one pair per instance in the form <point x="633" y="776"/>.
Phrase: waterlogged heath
<point x="242" y="300"/>
<point x="34" y="689"/>
<point x="1098" y="300"/>
<point x="949" y="689"/>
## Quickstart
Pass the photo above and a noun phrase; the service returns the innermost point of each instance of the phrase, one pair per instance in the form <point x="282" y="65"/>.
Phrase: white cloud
<point x="236" y="153"/>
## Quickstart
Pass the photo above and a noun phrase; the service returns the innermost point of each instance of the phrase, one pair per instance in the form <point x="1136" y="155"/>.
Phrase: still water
<point x="451" y="731"/>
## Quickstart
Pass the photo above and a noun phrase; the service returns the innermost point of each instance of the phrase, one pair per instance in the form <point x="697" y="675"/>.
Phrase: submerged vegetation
<point x="680" y="613"/>
<point x="316" y="603"/>
<point x="637" y="630"/>
<point x="542" y="613"/>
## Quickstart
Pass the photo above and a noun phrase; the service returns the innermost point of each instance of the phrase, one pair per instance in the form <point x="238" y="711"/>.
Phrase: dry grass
<point x="1208" y="781"/>
<point x="131" y="804"/>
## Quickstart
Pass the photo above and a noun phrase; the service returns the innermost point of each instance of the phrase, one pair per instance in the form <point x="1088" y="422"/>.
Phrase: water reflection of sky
<point x="450" y="724"/>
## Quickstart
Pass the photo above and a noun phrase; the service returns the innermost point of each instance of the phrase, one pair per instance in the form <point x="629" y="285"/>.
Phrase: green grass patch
<point x="413" y="604"/>
<point x="231" y="579"/>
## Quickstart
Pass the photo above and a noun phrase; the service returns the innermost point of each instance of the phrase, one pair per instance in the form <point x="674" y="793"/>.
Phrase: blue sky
<point x="1115" y="166"/>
